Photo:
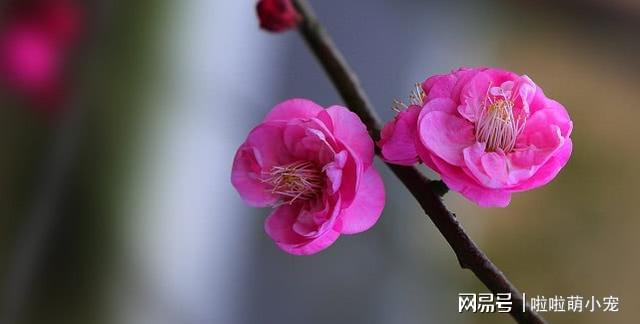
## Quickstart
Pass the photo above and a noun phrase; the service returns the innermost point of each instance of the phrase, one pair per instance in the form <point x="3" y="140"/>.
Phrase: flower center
<point x="299" y="180"/>
<point x="497" y="126"/>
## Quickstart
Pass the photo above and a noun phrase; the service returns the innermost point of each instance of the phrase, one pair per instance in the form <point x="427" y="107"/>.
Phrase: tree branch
<point x="426" y="192"/>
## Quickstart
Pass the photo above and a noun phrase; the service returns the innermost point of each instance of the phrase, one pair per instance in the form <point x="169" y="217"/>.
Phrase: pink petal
<point x="440" y="104"/>
<point x="499" y="76"/>
<point x="473" y="95"/>
<point x="487" y="197"/>
<point x="425" y="156"/>
<point x="463" y="75"/>
<point x="448" y="85"/>
<point x="398" y="138"/>
<point x="526" y="90"/>
<point x="446" y="135"/>
<point x="316" y="245"/>
<point x="539" y="101"/>
<point x="314" y="219"/>
<point x="474" y="92"/>
<point x="294" y="108"/>
<point x="268" y="142"/>
<point x="366" y="208"/>
<point x="541" y="146"/>
<point x="549" y="170"/>
<point x="245" y="177"/>
<point x="310" y="141"/>
<point x="553" y="114"/>
<point x="489" y="168"/>
<point x="333" y="171"/>
<point x="263" y="149"/>
<point x="457" y="180"/>
<point x="350" y="131"/>
<point x="495" y="166"/>
<point x="439" y="86"/>
<point x="350" y="181"/>
<point x="546" y="131"/>
<point x="279" y="226"/>
<point x="470" y="110"/>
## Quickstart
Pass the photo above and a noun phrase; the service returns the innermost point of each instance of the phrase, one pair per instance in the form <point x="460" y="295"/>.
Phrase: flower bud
<point x="277" y="15"/>
<point x="35" y="44"/>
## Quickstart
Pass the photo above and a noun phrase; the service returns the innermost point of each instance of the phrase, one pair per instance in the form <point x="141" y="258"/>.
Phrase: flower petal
<point x="472" y="96"/>
<point x="487" y="197"/>
<point x="549" y="170"/>
<point x="309" y="140"/>
<point x="489" y="168"/>
<point x="263" y="149"/>
<point x="245" y="177"/>
<point x="314" y="219"/>
<point x="350" y="131"/>
<point x="446" y="135"/>
<point x="398" y="138"/>
<point x="553" y="114"/>
<point x="463" y="75"/>
<point x="294" y="108"/>
<point x="333" y="170"/>
<point x="350" y="180"/>
<point x="439" y="86"/>
<point x="440" y="104"/>
<point x="314" y="246"/>
<point x="457" y="180"/>
<point x="366" y="208"/>
<point x="279" y="226"/>
<point x="268" y="142"/>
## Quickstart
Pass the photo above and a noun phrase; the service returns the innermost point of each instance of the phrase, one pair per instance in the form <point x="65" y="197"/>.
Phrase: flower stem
<point x="468" y="253"/>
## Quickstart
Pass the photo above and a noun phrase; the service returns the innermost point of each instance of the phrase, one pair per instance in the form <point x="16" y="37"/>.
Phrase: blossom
<point x="34" y="46"/>
<point x="488" y="133"/>
<point x="277" y="15"/>
<point x="30" y="61"/>
<point x="314" y="166"/>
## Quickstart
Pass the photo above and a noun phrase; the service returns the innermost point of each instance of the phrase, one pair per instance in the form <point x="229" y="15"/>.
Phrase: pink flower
<point x="487" y="132"/>
<point x="277" y="15"/>
<point x="30" y="61"/>
<point x="314" y="166"/>
<point x="34" y="44"/>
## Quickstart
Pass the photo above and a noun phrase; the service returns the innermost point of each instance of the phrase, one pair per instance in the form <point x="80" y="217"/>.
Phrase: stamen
<point x="417" y="95"/>
<point x="497" y="126"/>
<point x="298" y="180"/>
<point x="398" y="105"/>
<point x="416" y="98"/>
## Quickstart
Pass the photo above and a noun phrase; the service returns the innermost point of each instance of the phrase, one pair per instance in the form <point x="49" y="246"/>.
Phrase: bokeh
<point x="115" y="199"/>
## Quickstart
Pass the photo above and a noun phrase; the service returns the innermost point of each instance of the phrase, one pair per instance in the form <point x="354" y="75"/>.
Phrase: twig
<point x="426" y="192"/>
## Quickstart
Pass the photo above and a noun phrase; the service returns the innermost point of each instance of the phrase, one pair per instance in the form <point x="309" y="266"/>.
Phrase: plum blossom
<point x="314" y="167"/>
<point x="35" y="41"/>
<point x="277" y="15"/>
<point x="488" y="133"/>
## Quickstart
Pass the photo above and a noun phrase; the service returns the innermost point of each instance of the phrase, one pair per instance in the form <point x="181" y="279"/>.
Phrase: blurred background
<point x="119" y="121"/>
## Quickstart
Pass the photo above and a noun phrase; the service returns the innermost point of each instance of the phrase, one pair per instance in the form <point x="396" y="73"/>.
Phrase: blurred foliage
<point x="69" y="289"/>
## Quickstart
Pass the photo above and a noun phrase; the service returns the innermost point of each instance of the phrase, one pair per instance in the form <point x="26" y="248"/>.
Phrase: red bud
<point x="277" y="15"/>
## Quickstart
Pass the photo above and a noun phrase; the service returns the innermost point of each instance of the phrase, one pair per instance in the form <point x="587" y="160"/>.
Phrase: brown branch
<point x="426" y="192"/>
